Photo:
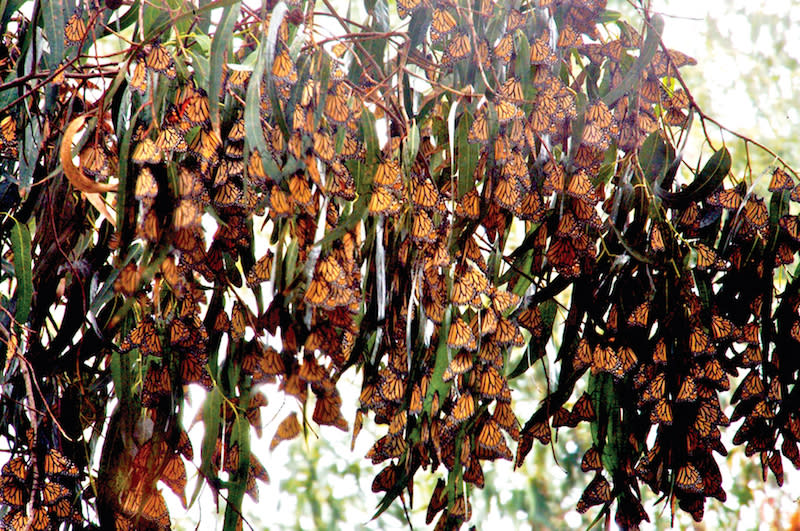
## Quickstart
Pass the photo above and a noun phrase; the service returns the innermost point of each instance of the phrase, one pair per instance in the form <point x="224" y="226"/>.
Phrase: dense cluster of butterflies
<point x="419" y="288"/>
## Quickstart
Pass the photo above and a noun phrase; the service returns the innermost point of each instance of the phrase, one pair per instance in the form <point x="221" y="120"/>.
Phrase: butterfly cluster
<point x="315" y="210"/>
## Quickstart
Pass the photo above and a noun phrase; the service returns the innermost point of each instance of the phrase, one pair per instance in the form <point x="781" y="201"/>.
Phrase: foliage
<point x="441" y="208"/>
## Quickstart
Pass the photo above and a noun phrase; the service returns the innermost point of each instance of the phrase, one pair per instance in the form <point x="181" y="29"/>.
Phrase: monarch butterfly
<point x="193" y="105"/>
<point x="281" y="204"/>
<point x="508" y="334"/>
<point x="386" y="447"/>
<point x="336" y="110"/>
<point x="143" y="336"/>
<point x="146" y="152"/>
<point x="491" y="354"/>
<point x="507" y="111"/>
<point x="583" y="355"/>
<point x="598" y="491"/>
<point x="490" y="440"/>
<point x="507" y="193"/>
<point x="260" y="272"/>
<point x="351" y="148"/>
<point x="407" y="7"/>
<point x="688" y="478"/>
<point x="721" y="328"/>
<point x="283" y="68"/>
<point x="392" y="387"/>
<point x="193" y="369"/>
<point x="627" y="361"/>
<point x="640" y="314"/>
<point x="57" y="464"/>
<point x="171" y="139"/>
<point x="424" y="193"/>
<point x="324" y="147"/>
<point x="75" y="29"/>
<point x="599" y="125"/>
<point x="791" y="224"/>
<point x="146" y="185"/>
<point x="467" y="284"/>
<point x="138" y="82"/>
<point x="237" y="78"/>
<point x="591" y="460"/>
<point x="388" y="173"/>
<point x="156" y="384"/>
<point x="189" y="214"/>
<point x="383" y="202"/>
<point x="707" y="257"/>
<point x="502" y="149"/>
<point x="790" y="451"/>
<point x="238" y="321"/>
<point x="772" y="461"/>
<point x="442" y="24"/>
<point x="479" y="130"/>
<point x="666" y="63"/>
<point x="690" y="218"/>
<point x="503" y="51"/>
<point x="583" y="409"/>
<point x="656" y="389"/>
<point x="541" y="54"/>
<point x="660" y="352"/>
<point x="749" y="333"/>
<point x="656" y="239"/>
<point x="506" y="419"/>
<point x="461" y="336"/>
<point x="755" y="213"/>
<point x="300" y="190"/>
<point x="474" y="473"/>
<point x="688" y="391"/>
<point x="554" y="177"/>
<point x="457" y="49"/>
<point x="564" y="256"/>
<point x="174" y="476"/>
<point x="422" y="229"/>
<point x="159" y="60"/>
<point x="503" y="301"/>
<point x="386" y="479"/>
<point x="515" y="19"/>
<point x="605" y="359"/>
<point x="289" y="428"/>
<point x="581" y="187"/>
<point x="569" y="38"/>
<point x="460" y="364"/>
<point x="751" y="386"/>
<point x="8" y="133"/>
<point x="12" y="492"/>
<point x="698" y="341"/>
<point x="464" y="407"/>
<point x="328" y="412"/>
<point x="16" y="468"/>
<point x="491" y="383"/>
<point x="531" y="318"/>
<point x="662" y="413"/>
<point x="751" y="357"/>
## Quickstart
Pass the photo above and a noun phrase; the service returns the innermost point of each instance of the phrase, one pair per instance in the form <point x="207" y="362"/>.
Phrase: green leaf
<point x="54" y="22"/>
<point x="21" y="245"/>
<point x="655" y="157"/>
<point x="708" y="180"/>
<point x="468" y="155"/>
<point x="411" y="146"/>
<point x="651" y="43"/>
<point x="219" y="48"/>
<point x="237" y="487"/>
<point x="254" y="134"/>
<point x="438" y="385"/>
